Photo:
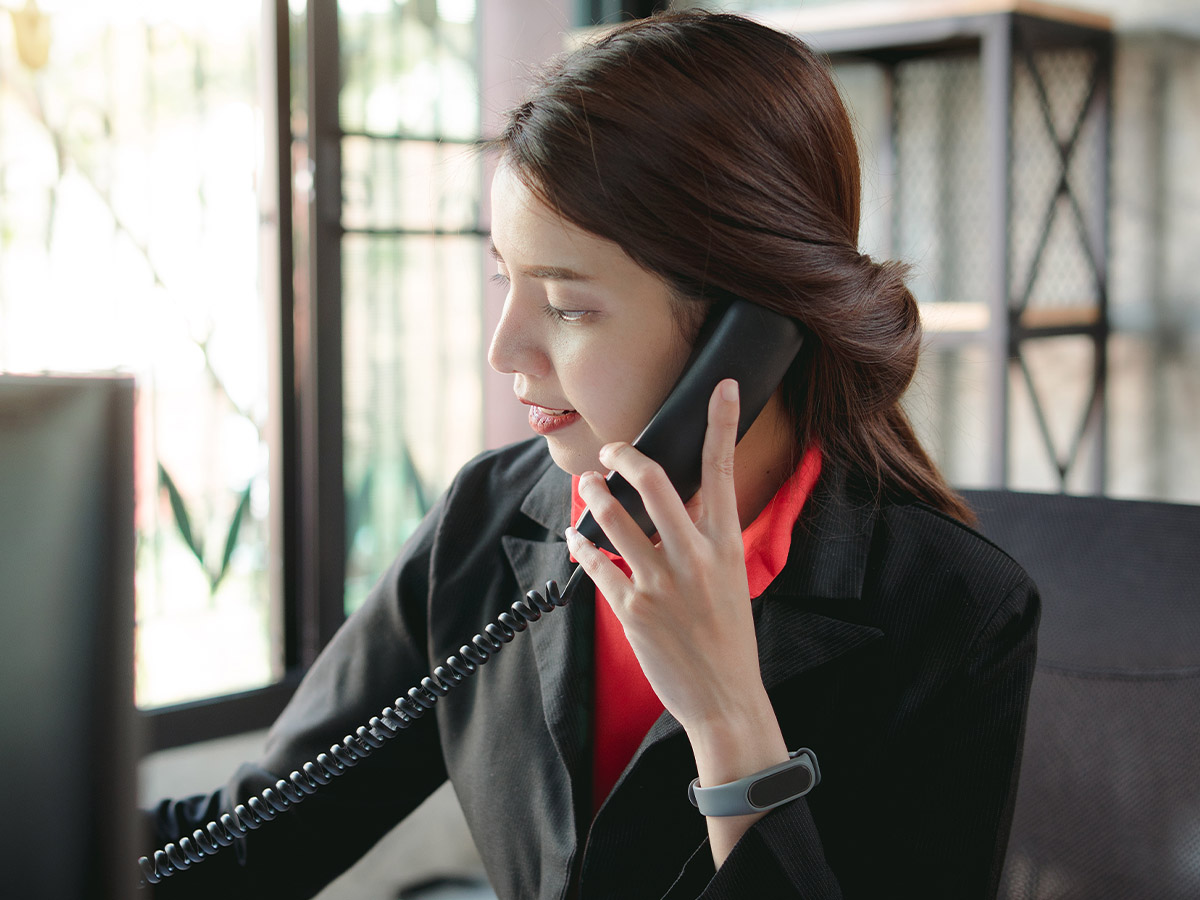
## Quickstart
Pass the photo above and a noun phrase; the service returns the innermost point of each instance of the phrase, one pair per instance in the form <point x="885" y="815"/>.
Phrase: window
<point x="412" y="277"/>
<point x="131" y="154"/>
<point x="308" y="348"/>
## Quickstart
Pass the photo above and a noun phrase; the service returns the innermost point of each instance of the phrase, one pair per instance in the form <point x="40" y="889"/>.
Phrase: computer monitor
<point x="67" y="721"/>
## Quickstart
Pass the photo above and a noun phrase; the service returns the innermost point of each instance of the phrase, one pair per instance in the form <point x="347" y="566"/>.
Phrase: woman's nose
<point x="515" y="346"/>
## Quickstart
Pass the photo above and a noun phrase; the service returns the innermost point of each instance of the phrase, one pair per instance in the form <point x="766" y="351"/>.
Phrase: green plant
<point x="195" y="543"/>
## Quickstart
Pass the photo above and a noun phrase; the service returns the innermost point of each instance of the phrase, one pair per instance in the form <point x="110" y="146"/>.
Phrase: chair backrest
<point x="1109" y="800"/>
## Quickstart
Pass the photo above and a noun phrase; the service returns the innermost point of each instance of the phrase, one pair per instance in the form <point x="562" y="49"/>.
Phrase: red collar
<point x="769" y="537"/>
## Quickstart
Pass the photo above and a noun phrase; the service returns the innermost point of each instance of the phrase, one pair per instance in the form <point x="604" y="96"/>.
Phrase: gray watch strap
<point x="761" y="791"/>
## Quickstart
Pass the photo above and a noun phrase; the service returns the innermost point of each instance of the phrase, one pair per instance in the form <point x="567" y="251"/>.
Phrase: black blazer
<point x="897" y="644"/>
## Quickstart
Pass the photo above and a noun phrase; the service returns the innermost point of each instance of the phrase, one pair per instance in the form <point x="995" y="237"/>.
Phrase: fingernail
<point x="575" y="539"/>
<point x="587" y="477"/>
<point x="729" y="389"/>
<point x="606" y="453"/>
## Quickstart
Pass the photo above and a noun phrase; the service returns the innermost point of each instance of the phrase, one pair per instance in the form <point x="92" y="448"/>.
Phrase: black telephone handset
<point x="740" y="340"/>
<point x="748" y="343"/>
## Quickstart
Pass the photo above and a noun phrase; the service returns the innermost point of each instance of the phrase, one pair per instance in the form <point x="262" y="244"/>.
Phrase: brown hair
<point x="717" y="153"/>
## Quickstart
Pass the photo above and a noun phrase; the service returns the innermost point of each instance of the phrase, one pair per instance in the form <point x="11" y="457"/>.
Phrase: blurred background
<point x="273" y="214"/>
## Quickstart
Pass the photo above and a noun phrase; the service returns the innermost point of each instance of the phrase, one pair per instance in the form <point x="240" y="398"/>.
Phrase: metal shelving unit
<point x="1006" y="105"/>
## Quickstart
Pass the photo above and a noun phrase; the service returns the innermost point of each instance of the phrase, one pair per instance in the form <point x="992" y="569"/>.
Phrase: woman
<point x="679" y="163"/>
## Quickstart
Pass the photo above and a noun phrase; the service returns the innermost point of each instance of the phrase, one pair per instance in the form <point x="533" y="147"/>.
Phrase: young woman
<point x="821" y="591"/>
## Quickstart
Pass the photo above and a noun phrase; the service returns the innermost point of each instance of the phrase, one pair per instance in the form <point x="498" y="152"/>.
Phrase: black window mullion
<point x="284" y="581"/>
<point x="322" y="563"/>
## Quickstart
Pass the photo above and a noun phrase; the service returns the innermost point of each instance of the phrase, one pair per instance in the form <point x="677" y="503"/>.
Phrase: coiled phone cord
<point x="406" y="709"/>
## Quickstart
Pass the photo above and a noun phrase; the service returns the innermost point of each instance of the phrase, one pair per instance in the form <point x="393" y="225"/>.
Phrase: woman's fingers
<point x="616" y="523"/>
<point x="603" y="572"/>
<point x="663" y="504"/>
<point x="716" y="484"/>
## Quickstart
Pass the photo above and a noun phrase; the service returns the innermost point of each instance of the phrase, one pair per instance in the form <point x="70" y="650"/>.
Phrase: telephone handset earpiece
<point x="749" y="343"/>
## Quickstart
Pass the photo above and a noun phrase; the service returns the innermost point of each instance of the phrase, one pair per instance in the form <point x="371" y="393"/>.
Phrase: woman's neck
<point x="763" y="460"/>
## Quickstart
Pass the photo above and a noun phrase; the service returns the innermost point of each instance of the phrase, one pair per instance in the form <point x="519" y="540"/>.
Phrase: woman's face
<point x="590" y="337"/>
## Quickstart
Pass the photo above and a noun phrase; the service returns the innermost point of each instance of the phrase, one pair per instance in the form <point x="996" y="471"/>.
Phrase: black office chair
<point x="1109" y="801"/>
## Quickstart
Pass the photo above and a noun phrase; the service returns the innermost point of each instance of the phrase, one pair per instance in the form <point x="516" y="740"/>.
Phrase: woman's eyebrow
<point x="556" y="273"/>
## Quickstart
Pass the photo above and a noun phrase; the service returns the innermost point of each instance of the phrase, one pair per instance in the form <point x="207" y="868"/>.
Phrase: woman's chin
<point x="573" y="460"/>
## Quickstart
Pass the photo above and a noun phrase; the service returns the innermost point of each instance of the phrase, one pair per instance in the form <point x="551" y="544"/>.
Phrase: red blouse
<point x="624" y="704"/>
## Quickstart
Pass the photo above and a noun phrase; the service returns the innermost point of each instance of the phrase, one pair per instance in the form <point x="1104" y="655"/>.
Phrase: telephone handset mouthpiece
<point x="749" y="343"/>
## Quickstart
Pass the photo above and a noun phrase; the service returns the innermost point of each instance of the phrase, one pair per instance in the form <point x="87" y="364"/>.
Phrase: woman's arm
<point x="379" y="647"/>
<point x="686" y="610"/>
<point x="742" y="741"/>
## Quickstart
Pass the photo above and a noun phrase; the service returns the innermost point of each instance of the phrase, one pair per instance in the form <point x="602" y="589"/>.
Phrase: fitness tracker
<point x="761" y="791"/>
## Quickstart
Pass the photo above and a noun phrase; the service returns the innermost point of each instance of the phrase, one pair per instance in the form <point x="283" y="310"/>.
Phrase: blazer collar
<point x="549" y="502"/>
<point x="831" y="543"/>
<point x="562" y="639"/>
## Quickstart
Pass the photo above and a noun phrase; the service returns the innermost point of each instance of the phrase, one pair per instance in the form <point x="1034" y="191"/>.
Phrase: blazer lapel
<point x="807" y="617"/>
<point x="562" y="639"/>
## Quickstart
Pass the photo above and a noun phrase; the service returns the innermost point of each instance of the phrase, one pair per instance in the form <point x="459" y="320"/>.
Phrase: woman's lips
<point x="544" y="420"/>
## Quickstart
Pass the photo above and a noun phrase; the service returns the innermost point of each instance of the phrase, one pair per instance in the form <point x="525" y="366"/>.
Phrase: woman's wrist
<point x="744" y="740"/>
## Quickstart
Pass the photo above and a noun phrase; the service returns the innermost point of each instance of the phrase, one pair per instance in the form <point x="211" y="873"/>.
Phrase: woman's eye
<point x="565" y="315"/>
<point x="501" y="279"/>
